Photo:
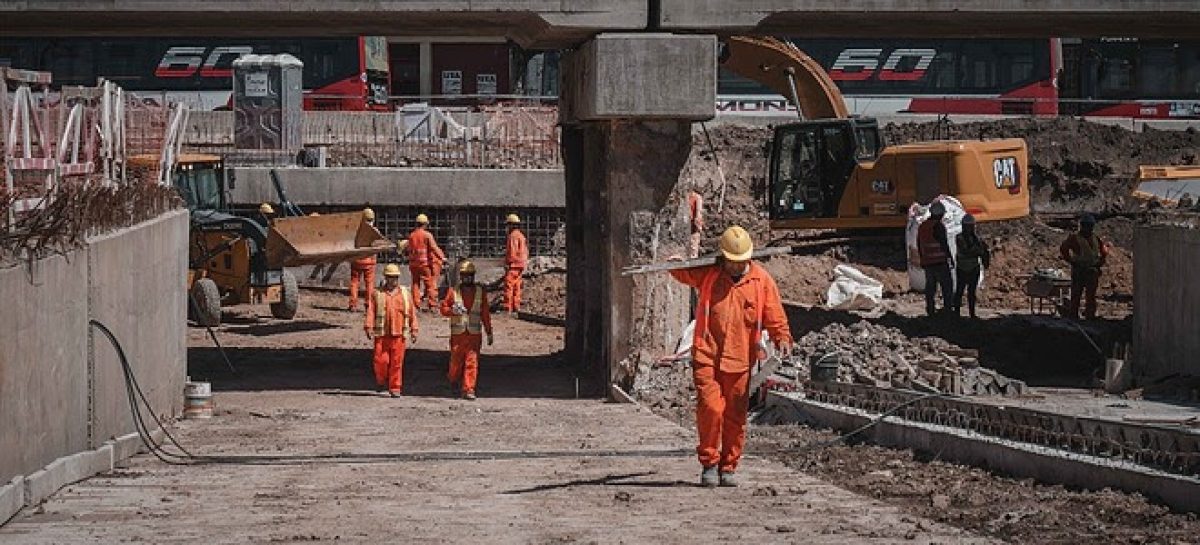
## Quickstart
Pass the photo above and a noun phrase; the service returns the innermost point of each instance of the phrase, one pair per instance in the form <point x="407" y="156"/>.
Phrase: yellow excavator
<point x="234" y="259"/>
<point x="832" y="171"/>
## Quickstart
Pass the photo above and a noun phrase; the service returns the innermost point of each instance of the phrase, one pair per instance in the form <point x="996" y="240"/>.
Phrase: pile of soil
<point x="545" y="294"/>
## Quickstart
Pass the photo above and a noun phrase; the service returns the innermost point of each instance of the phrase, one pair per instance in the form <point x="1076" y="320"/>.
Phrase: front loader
<point x="238" y="260"/>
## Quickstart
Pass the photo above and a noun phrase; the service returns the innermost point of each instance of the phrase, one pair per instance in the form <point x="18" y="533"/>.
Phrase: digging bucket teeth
<point x="330" y="238"/>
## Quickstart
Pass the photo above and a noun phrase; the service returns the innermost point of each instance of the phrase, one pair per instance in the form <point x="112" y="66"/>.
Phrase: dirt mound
<point x="545" y="294"/>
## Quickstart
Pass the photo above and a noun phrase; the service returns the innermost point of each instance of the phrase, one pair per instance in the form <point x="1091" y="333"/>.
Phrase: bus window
<point x="1189" y="71"/>
<point x="1156" y="75"/>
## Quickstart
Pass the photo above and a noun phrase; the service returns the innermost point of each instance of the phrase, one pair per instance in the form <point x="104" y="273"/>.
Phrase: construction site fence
<point x="495" y="137"/>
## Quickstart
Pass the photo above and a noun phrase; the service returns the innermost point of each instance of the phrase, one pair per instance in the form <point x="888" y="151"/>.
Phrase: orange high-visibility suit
<point x="391" y="316"/>
<point x="423" y="257"/>
<point x="729" y="319"/>
<point x="466" y="339"/>
<point x="516" y="258"/>
<point x="362" y="269"/>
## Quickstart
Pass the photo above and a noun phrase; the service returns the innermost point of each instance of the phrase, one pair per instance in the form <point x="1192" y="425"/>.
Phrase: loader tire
<point x="205" y="302"/>
<point x="285" y="309"/>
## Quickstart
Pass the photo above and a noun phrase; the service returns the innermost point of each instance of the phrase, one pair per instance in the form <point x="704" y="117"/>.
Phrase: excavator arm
<point x="787" y="70"/>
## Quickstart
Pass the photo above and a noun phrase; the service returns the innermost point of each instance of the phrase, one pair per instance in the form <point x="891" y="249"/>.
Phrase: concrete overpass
<point x="563" y="23"/>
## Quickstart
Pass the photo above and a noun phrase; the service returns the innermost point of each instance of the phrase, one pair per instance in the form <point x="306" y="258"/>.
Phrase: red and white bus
<point x="339" y="73"/>
<point x="1127" y="78"/>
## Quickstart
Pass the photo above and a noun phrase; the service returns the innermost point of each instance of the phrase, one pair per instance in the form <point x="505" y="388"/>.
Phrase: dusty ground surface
<point x="526" y="463"/>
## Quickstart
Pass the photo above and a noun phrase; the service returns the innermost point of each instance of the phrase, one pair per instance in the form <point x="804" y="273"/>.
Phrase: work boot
<point x="728" y="479"/>
<point x="469" y="396"/>
<point x="394" y="393"/>
<point x="709" y="477"/>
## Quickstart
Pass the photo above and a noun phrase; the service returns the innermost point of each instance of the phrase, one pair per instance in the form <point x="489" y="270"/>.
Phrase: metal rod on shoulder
<point x="697" y="262"/>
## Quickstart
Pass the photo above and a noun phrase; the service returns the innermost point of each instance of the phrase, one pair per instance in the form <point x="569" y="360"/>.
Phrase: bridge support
<point x="628" y="104"/>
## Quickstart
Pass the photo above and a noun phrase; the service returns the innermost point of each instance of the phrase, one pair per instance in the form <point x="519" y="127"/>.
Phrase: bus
<point x="339" y="73"/>
<point x="1040" y="77"/>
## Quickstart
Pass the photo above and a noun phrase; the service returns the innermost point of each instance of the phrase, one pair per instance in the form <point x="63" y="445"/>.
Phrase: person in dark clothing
<point x="1087" y="253"/>
<point x="933" y="246"/>
<point x="973" y="257"/>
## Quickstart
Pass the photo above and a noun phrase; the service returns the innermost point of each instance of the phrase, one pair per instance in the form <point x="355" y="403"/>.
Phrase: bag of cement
<point x="853" y="290"/>
<point x="918" y="213"/>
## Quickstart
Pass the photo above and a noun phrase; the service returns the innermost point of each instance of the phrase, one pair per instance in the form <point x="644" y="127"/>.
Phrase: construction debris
<point x="885" y="357"/>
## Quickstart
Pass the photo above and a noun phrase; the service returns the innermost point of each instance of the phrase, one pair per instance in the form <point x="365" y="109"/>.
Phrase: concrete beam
<point x="935" y="18"/>
<point x="641" y="76"/>
<point x="436" y="187"/>
<point x="41" y="484"/>
<point x="536" y="23"/>
<point x="12" y="498"/>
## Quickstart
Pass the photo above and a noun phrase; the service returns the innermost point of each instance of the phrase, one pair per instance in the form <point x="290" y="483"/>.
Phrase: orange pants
<point x="512" y="289"/>
<point x="464" y="360"/>
<point x="389" y="362"/>
<point x="424" y="286"/>
<point x="367" y="276"/>
<point x="722" y="401"/>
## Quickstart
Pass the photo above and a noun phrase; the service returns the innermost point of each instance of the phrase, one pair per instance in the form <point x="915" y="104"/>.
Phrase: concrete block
<point x="126" y="447"/>
<point x="641" y="76"/>
<point x="44" y="483"/>
<point x="12" y="498"/>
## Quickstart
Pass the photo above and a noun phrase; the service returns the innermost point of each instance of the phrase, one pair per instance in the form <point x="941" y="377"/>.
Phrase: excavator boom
<point x="788" y="71"/>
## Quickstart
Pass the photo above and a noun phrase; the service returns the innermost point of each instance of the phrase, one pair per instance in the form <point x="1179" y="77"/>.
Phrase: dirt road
<point x="526" y="463"/>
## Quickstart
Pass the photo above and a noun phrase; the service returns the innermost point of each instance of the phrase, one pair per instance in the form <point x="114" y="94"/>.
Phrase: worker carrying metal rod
<point x="467" y="307"/>
<point x="738" y="302"/>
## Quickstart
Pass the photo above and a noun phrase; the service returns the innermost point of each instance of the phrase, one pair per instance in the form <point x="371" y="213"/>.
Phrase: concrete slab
<point x="43" y="483"/>
<point x="435" y="187"/>
<point x="12" y="498"/>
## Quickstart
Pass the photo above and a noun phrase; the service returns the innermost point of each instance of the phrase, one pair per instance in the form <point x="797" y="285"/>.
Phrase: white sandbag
<point x="853" y="290"/>
<point x="918" y="213"/>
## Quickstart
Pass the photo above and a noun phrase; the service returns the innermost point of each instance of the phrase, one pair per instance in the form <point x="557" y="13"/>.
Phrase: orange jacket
<point x="468" y="298"/>
<point x="1084" y="251"/>
<point x="932" y="243"/>
<point x="516" y="251"/>
<point x="423" y="250"/>
<point x="396" y="311"/>
<point x="361" y="263"/>
<point x="726" y="335"/>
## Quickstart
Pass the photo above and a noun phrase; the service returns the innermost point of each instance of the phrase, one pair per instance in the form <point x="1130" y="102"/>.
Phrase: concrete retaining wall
<point x="433" y="187"/>
<point x="1166" y="301"/>
<point x="63" y="404"/>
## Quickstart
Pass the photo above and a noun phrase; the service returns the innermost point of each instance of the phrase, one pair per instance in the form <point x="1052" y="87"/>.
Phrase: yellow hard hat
<point x="314" y="214"/>
<point x="512" y="218"/>
<point x="392" y="270"/>
<point x="466" y="267"/>
<point x="422" y="219"/>
<point x="736" y="244"/>
<point x="265" y="208"/>
<point x="368" y="214"/>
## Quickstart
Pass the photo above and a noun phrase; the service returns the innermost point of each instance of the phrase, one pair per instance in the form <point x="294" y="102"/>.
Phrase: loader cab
<point x="200" y="181"/>
<point x="811" y="163"/>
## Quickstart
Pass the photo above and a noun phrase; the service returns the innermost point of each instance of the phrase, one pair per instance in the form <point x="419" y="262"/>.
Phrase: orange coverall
<point x="466" y="343"/>
<point x="516" y="258"/>
<point x="388" y="327"/>
<point x="362" y="269"/>
<point x="727" y="328"/>
<point x="424" y="256"/>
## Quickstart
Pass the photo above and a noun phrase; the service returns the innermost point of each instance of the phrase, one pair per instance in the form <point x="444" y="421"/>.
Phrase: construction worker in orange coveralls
<point x="391" y="318"/>
<point x="424" y="256"/>
<point x="1087" y="253"/>
<point x="516" y="258"/>
<point x="738" y="301"/>
<point x="467" y="308"/>
<point x="362" y="269"/>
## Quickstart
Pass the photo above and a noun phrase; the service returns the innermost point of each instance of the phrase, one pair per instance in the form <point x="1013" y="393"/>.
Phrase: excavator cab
<point x="812" y="162"/>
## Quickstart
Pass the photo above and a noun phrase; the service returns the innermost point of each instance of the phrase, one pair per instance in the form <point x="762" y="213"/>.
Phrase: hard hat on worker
<point x="314" y="214"/>
<point x="736" y="245"/>
<point x="422" y="219"/>
<point x="937" y="209"/>
<point x="466" y="267"/>
<point x="368" y="214"/>
<point x="392" y="270"/>
<point x="266" y="208"/>
<point x="512" y="218"/>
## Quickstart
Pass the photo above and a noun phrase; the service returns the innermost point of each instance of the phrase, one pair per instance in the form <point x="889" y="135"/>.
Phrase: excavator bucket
<point x="1168" y="184"/>
<point x="331" y="238"/>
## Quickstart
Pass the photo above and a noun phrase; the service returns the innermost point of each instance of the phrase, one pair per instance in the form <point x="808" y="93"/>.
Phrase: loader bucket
<point x="332" y="238"/>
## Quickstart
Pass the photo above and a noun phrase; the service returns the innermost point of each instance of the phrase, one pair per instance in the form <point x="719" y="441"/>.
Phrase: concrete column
<point x="425" y="60"/>
<point x="627" y="107"/>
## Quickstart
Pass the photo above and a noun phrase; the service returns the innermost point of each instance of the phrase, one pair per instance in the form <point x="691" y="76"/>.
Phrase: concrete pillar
<point x="628" y="101"/>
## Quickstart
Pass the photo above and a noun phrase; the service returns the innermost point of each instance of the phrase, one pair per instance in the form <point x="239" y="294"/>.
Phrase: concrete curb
<point x="1006" y="457"/>
<point x="12" y="499"/>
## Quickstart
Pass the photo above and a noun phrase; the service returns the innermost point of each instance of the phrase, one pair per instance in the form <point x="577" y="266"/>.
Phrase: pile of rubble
<point x="881" y="356"/>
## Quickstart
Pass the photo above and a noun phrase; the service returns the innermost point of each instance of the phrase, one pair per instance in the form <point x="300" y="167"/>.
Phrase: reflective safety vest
<point x="704" y="308"/>
<point x="932" y="251"/>
<point x="381" y="313"/>
<point x="1089" y="250"/>
<point x="472" y="322"/>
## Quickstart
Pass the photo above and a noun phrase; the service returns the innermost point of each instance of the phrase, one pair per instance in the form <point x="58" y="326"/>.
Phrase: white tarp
<point x="853" y="290"/>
